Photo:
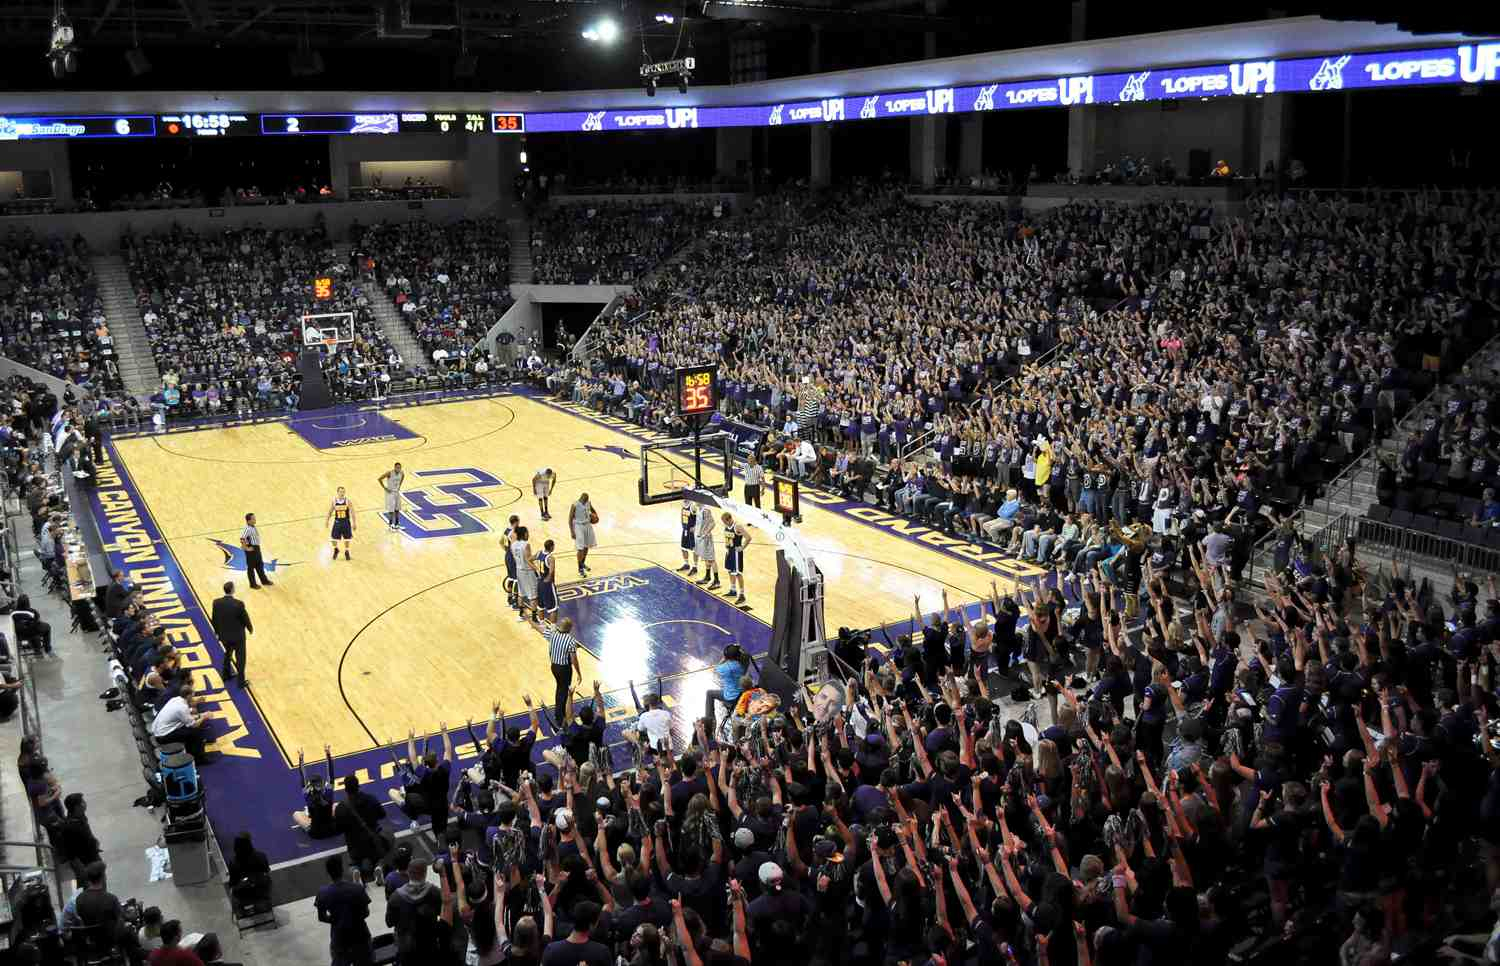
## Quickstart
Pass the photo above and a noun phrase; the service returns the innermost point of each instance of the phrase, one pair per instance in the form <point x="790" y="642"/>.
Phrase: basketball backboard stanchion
<point x="327" y="330"/>
<point x="669" y="467"/>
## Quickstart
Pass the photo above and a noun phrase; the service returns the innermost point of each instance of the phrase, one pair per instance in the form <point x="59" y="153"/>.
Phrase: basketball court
<point x="414" y="632"/>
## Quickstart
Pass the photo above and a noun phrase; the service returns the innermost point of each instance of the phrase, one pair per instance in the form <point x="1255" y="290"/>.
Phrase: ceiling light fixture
<point x="604" y="31"/>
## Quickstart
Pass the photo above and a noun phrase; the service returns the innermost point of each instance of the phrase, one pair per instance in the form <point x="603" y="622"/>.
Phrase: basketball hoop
<point x="331" y="345"/>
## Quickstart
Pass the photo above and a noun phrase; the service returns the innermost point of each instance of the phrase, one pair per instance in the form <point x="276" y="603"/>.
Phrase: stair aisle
<point x="132" y="347"/>
<point x="389" y="317"/>
<point x="520" y="249"/>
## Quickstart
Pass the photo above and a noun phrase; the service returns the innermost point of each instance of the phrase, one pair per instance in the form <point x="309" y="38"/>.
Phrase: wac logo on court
<point x="234" y="558"/>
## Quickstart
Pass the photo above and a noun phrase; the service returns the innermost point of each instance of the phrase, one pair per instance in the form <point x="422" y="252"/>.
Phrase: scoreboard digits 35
<point x="697" y="390"/>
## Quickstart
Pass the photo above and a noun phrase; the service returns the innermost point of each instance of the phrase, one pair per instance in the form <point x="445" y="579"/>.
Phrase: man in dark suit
<point x="231" y="623"/>
<point x="117" y="596"/>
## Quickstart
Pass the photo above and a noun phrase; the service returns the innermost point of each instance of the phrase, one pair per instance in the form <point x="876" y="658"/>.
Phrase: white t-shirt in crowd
<point x="657" y="724"/>
<point x="173" y="715"/>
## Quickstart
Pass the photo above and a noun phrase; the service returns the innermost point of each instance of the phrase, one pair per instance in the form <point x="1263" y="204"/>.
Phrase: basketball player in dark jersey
<point x="341" y="513"/>
<point x="689" y="545"/>
<point x="736" y="539"/>
<point x="510" y="562"/>
<point x="546" y="582"/>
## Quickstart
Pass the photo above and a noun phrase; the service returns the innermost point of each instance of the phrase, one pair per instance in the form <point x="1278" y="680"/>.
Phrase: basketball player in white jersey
<point x="705" y="548"/>
<point x="542" y="485"/>
<point x="736" y="539"/>
<point x="510" y="584"/>
<point x="526" y="575"/>
<point x="341" y="515"/>
<point x="390" y="481"/>
<point x="581" y="519"/>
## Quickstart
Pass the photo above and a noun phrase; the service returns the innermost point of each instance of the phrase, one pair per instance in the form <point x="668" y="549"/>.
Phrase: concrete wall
<point x="41" y="156"/>
<point x="102" y="230"/>
<point x="1215" y="194"/>
<point x="569" y="293"/>
<point x="729" y="198"/>
<point x="463" y="163"/>
<point x="1226" y="199"/>
<point x="393" y="174"/>
<point x="523" y="321"/>
<point x="10" y="367"/>
<point x="1226" y="127"/>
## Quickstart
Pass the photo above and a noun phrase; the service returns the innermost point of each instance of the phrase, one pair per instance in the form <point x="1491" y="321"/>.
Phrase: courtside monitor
<point x="671" y="466"/>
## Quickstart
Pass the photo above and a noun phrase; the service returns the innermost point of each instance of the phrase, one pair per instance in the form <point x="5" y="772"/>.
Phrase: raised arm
<point x="1328" y="817"/>
<point x="741" y="935"/>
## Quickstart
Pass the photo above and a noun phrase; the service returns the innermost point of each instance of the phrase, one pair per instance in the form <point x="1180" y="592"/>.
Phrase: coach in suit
<point x="231" y="623"/>
<point x="117" y="597"/>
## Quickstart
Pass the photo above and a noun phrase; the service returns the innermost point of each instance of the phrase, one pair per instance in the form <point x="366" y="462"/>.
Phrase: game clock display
<point x="697" y="390"/>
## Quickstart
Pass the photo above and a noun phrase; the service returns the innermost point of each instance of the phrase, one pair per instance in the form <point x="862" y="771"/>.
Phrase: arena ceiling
<point x="537" y="45"/>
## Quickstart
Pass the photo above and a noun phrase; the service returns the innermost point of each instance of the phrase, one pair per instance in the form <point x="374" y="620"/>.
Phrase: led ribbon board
<point x="1466" y="64"/>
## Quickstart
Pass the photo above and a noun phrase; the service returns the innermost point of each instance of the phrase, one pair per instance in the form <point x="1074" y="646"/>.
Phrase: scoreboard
<point x="697" y="390"/>
<point x="79" y="126"/>
<point x="219" y="124"/>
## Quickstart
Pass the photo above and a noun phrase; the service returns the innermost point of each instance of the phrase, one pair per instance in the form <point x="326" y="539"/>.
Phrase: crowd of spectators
<point x="1173" y="776"/>
<point x="450" y="282"/>
<point x="1118" y="763"/>
<point x="223" y="312"/>
<point x="601" y="243"/>
<point x="51" y="317"/>
<point x="1313" y="781"/>
<point x="1202" y="365"/>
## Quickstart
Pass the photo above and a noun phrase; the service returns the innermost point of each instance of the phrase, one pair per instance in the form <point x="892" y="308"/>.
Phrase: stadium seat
<point x="1424" y="524"/>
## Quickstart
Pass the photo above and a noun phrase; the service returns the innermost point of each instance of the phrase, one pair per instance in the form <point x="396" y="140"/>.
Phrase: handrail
<point x="31" y="720"/>
<point x="1405" y="542"/>
<point x="1349" y="471"/>
<point x="580" y="350"/>
<point x="1356" y="466"/>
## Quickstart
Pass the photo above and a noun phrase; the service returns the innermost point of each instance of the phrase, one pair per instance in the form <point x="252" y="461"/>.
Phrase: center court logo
<point x="1135" y="87"/>
<point x="447" y="509"/>
<point x="234" y="558"/>
<point x="594" y="121"/>
<point x="1330" y="75"/>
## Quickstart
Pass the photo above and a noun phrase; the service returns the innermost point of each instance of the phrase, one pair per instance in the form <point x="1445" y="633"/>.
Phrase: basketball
<point x="593" y="517"/>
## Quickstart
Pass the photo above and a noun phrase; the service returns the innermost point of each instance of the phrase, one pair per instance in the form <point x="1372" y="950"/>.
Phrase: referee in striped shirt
<point x="562" y="649"/>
